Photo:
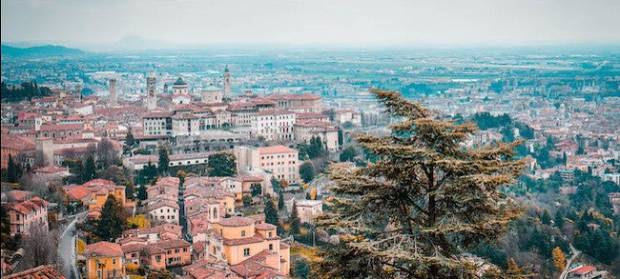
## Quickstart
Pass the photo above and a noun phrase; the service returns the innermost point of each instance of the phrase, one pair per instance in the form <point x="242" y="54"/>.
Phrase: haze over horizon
<point x="102" y="24"/>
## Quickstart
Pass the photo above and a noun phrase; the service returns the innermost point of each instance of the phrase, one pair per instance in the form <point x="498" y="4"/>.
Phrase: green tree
<point x="256" y="189"/>
<point x="545" y="218"/>
<point x="5" y="225"/>
<point x="294" y="220"/>
<point x="164" y="161"/>
<point x="559" y="220"/>
<point x="129" y="189"/>
<point x="316" y="148"/>
<point x="222" y="164"/>
<point x="142" y="194"/>
<point x="12" y="170"/>
<point x="425" y="201"/>
<point x="276" y="185"/>
<point x="271" y="213"/>
<point x="280" y="200"/>
<point x="130" y="142"/>
<point x="113" y="220"/>
<point x="306" y="171"/>
<point x="348" y="154"/>
<point x="90" y="169"/>
<point x="247" y="200"/>
<point x="301" y="269"/>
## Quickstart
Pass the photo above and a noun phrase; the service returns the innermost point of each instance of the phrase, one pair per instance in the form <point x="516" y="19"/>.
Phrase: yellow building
<point x="104" y="260"/>
<point x="245" y="244"/>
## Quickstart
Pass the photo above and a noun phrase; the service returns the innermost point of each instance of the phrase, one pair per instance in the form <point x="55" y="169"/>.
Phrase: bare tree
<point x="106" y="153"/>
<point x="39" y="246"/>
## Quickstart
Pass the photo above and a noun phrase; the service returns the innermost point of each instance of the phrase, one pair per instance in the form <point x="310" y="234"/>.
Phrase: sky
<point x="311" y="22"/>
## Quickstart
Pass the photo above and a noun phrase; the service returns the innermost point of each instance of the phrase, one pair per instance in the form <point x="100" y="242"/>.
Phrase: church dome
<point x="180" y="81"/>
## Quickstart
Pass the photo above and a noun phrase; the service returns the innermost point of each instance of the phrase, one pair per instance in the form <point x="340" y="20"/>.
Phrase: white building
<point x="328" y="133"/>
<point x="273" y="125"/>
<point x="280" y="161"/>
<point x="307" y="210"/>
<point x="164" y="211"/>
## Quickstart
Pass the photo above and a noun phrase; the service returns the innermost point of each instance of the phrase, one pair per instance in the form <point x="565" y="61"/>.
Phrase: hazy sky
<point x="343" y="22"/>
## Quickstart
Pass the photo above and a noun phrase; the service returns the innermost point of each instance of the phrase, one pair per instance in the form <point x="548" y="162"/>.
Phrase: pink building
<point x="24" y="214"/>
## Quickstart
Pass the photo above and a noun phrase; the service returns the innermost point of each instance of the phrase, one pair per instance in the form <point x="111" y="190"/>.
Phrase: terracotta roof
<point x="265" y="226"/>
<point x="18" y="143"/>
<point x="244" y="241"/>
<point x="583" y="270"/>
<point x="76" y="192"/>
<point x="18" y="195"/>
<point x="132" y="248"/>
<point x="27" y="206"/>
<point x="275" y="112"/>
<point x="275" y="149"/>
<point x="255" y="267"/>
<point x="39" y="272"/>
<point x="103" y="248"/>
<point x="305" y="96"/>
<point x="236" y="221"/>
<point x="162" y="203"/>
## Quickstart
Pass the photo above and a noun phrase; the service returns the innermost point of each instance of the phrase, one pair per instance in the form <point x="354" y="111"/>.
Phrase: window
<point x="246" y="252"/>
<point x="269" y="234"/>
<point x="242" y="232"/>
<point x="270" y="247"/>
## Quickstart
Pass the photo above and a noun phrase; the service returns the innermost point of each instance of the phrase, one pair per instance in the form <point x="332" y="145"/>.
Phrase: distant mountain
<point x="45" y="50"/>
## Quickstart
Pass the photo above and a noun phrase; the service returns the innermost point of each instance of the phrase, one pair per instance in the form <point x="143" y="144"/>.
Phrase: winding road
<point x="66" y="248"/>
<point x="575" y="253"/>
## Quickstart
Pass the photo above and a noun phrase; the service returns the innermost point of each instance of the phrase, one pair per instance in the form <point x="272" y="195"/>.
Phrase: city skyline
<point x="181" y="24"/>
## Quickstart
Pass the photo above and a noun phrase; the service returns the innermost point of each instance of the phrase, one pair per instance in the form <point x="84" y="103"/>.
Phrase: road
<point x="66" y="248"/>
<point x="575" y="254"/>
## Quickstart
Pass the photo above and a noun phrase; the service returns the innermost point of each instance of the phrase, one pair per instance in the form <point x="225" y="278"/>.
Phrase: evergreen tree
<point x="306" y="171"/>
<point x="12" y="171"/>
<point x="348" y="154"/>
<point x="142" y="194"/>
<point x="301" y="269"/>
<point x="276" y="185"/>
<point x="5" y="225"/>
<point x="130" y="141"/>
<point x="164" y="161"/>
<point x="426" y="199"/>
<point x="559" y="260"/>
<point x="247" y="200"/>
<point x="545" y="218"/>
<point x="280" y="201"/>
<point x="294" y="220"/>
<point x="271" y="214"/>
<point x="222" y="164"/>
<point x="89" y="171"/>
<point x="559" y="220"/>
<point x="113" y="220"/>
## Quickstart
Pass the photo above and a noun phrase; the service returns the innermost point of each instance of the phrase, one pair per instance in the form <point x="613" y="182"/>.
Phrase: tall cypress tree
<point x="280" y="200"/>
<point x="294" y="220"/>
<point x="425" y="201"/>
<point x="112" y="221"/>
<point x="164" y="162"/>
<point x="12" y="171"/>
<point x="271" y="213"/>
<point x="90" y="170"/>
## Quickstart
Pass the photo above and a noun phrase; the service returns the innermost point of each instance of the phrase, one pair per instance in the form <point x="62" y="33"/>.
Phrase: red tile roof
<point x="583" y="270"/>
<point x="103" y="248"/>
<point x="39" y="272"/>
<point x="275" y="149"/>
<point x="236" y="221"/>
